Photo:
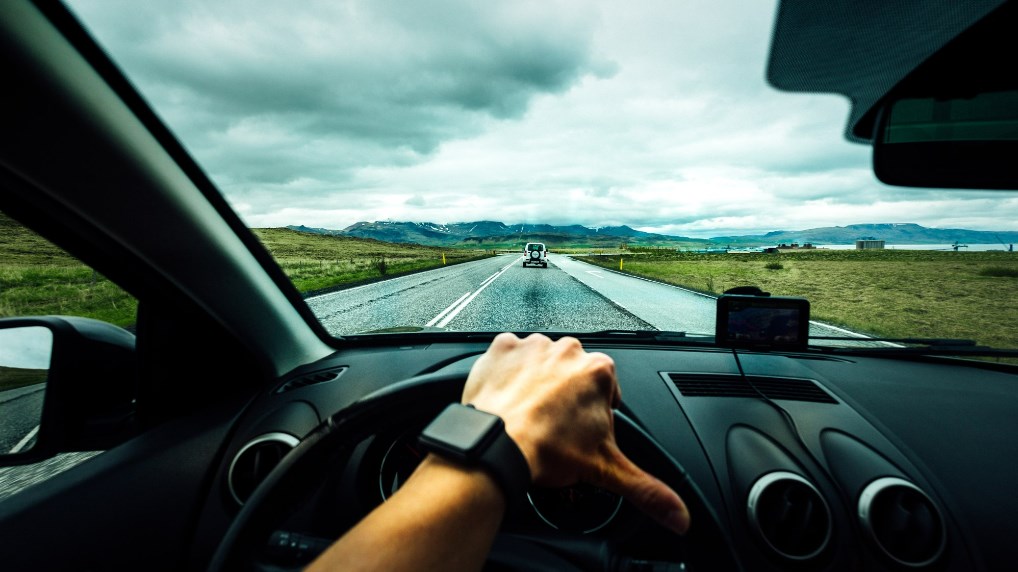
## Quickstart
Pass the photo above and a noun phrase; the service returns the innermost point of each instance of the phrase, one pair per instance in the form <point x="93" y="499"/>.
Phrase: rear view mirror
<point x="956" y="142"/>
<point x="66" y="384"/>
<point x="953" y="121"/>
<point x="24" y="367"/>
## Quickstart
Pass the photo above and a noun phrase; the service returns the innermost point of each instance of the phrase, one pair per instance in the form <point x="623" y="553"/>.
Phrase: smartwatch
<point x="475" y="438"/>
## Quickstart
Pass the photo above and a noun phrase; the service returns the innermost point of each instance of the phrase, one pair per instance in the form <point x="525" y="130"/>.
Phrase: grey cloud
<point x="397" y="74"/>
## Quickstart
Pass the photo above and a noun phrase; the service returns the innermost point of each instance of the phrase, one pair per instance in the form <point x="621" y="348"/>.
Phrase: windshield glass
<point x="396" y="158"/>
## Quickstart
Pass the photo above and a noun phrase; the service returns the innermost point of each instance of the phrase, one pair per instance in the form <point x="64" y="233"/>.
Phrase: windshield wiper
<point x="928" y="342"/>
<point x="633" y="334"/>
<point x="919" y="346"/>
<point x="646" y="335"/>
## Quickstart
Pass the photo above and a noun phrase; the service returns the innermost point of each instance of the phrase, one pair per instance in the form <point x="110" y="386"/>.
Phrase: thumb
<point x="648" y="493"/>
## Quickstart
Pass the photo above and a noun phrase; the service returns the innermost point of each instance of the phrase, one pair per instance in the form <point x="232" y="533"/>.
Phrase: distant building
<point x="868" y="243"/>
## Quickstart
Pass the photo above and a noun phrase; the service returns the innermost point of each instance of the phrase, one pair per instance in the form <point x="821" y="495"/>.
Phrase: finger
<point x="568" y="346"/>
<point x="646" y="492"/>
<point x="504" y="341"/>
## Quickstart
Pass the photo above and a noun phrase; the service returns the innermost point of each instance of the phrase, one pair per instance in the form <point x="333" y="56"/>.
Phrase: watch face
<point x="462" y="429"/>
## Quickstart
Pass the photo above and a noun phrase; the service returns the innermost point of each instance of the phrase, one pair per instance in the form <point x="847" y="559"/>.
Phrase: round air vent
<point x="790" y="515"/>
<point x="902" y="521"/>
<point x="255" y="461"/>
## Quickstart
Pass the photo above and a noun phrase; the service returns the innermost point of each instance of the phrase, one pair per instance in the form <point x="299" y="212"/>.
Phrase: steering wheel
<point x="299" y="473"/>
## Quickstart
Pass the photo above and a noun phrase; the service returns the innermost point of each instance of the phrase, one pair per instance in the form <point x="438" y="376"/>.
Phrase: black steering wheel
<point x="706" y="546"/>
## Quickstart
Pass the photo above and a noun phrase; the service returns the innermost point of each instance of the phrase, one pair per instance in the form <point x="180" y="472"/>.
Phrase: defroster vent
<point x="312" y="378"/>
<point x="734" y="385"/>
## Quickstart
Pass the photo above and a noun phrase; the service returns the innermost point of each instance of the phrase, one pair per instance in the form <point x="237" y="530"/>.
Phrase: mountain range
<point x="492" y="234"/>
<point x="891" y="233"/>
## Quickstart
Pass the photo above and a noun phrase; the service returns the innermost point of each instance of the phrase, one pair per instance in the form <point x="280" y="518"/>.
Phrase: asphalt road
<point x="499" y="294"/>
<point x="495" y="294"/>
<point x="21" y="410"/>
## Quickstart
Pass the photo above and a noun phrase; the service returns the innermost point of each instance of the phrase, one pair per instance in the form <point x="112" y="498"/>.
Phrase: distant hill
<point x="492" y="234"/>
<point x="892" y="233"/>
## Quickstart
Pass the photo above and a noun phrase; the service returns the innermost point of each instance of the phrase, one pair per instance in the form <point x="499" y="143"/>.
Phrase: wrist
<point x="476" y="439"/>
<point x="470" y="484"/>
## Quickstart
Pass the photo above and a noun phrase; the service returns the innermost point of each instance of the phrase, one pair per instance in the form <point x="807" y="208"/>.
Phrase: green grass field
<point x="37" y="278"/>
<point x="894" y="293"/>
<point x="319" y="262"/>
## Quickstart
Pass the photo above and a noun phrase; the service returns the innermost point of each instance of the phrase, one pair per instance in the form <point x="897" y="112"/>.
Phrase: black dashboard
<point x="809" y="461"/>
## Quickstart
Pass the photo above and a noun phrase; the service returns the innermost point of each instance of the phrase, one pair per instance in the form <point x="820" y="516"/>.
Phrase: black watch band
<point x="475" y="438"/>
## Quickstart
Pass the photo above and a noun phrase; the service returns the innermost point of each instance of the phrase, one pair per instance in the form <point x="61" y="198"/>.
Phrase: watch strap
<point x="505" y="462"/>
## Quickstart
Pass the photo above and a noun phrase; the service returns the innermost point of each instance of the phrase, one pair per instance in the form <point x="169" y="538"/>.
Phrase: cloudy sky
<point x="653" y="114"/>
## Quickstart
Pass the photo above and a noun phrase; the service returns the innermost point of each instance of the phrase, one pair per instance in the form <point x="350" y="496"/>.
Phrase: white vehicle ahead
<point x="535" y="253"/>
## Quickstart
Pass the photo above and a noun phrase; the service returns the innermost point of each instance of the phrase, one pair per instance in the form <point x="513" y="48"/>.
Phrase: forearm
<point x="443" y="518"/>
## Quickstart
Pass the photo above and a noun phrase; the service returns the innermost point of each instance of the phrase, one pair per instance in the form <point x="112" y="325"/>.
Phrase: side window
<point x="38" y="278"/>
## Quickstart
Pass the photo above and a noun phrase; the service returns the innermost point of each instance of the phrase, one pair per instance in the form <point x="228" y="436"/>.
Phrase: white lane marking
<point x="842" y="330"/>
<point x="595" y="273"/>
<point x="446" y="311"/>
<point x="851" y="333"/>
<point x="24" y="440"/>
<point x="486" y="283"/>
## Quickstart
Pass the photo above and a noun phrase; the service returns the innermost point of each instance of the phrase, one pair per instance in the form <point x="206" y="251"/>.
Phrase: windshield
<point x="400" y="159"/>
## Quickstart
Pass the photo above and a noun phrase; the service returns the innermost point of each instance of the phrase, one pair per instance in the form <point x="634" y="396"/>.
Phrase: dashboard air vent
<point x="902" y="521"/>
<point x="255" y="461"/>
<point x="311" y="379"/>
<point x="733" y="385"/>
<point x="790" y="515"/>
<point x="711" y="385"/>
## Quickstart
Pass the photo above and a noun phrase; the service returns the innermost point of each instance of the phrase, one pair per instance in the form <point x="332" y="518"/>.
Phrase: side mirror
<point x="949" y="142"/>
<point x="66" y="384"/>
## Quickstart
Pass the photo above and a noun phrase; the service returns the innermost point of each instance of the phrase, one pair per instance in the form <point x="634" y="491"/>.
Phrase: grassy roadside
<point x="318" y="262"/>
<point x="15" y="377"/>
<point x="894" y="293"/>
<point x="37" y="278"/>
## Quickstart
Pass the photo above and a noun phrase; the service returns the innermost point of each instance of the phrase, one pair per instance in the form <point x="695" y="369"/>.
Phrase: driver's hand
<point x="556" y="400"/>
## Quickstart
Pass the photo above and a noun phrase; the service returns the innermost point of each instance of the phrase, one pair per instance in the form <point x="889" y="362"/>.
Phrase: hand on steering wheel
<point x="556" y="400"/>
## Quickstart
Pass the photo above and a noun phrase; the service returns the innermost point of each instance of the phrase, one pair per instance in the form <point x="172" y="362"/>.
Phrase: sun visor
<point x="862" y="49"/>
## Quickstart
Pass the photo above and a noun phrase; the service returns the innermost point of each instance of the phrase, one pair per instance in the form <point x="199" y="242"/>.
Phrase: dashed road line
<point x="458" y="306"/>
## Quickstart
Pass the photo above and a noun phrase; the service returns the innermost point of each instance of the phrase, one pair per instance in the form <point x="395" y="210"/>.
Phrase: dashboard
<point x="807" y="461"/>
